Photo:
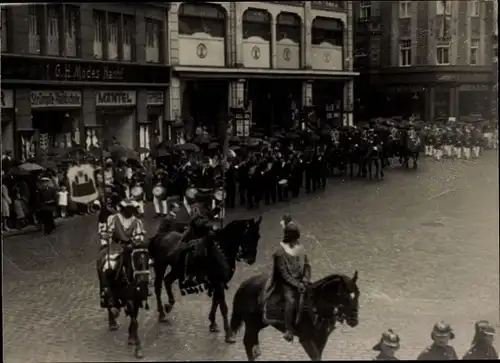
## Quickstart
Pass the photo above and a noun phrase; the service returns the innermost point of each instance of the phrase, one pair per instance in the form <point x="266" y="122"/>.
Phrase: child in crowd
<point x="20" y="207"/>
<point x="63" y="201"/>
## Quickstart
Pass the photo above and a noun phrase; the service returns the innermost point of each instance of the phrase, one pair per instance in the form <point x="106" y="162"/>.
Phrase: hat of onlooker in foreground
<point x="441" y="329"/>
<point x="484" y="327"/>
<point x="388" y="339"/>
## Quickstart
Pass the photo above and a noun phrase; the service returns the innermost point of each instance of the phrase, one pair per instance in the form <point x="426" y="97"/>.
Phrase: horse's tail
<point x="237" y="314"/>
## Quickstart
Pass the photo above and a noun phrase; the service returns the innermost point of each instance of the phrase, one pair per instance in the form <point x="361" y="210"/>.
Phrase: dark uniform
<point x="482" y="347"/>
<point x="47" y="206"/>
<point x="230" y="185"/>
<point x="438" y="352"/>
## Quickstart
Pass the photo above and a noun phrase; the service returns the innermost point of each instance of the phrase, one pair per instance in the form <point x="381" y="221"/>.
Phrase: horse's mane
<point x="327" y="280"/>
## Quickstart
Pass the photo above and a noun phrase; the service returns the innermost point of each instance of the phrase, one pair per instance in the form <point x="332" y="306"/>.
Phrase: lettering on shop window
<point x="55" y="99"/>
<point x="155" y="98"/>
<point x="115" y="98"/>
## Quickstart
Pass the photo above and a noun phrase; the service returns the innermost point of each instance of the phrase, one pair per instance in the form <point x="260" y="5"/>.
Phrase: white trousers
<point x="448" y="151"/>
<point x="476" y="150"/>
<point x="438" y="153"/>
<point x="467" y="152"/>
<point x="457" y="151"/>
<point x="429" y="150"/>
<point x="160" y="206"/>
<point x="141" y="206"/>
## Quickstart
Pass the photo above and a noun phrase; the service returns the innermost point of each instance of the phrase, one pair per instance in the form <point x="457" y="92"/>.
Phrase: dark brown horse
<point x="125" y="277"/>
<point x="327" y="301"/>
<point x="216" y="264"/>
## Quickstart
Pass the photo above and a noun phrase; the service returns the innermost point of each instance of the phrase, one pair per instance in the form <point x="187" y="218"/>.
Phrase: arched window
<point x="257" y="23"/>
<point x="202" y="18"/>
<point x="327" y="30"/>
<point x="288" y="26"/>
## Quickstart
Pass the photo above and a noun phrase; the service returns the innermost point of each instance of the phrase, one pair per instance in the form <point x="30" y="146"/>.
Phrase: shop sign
<point x="473" y="87"/>
<point x="20" y="68"/>
<point x="41" y="99"/>
<point x="115" y="98"/>
<point x="156" y="98"/>
<point x="7" y="98"/>
<point x="327" y="5"/>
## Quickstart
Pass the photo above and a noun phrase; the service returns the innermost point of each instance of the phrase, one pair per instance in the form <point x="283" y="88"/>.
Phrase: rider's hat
<point x="388" y="339"/>
<point x="291" y="232"/>
<point x="442" y="329"/>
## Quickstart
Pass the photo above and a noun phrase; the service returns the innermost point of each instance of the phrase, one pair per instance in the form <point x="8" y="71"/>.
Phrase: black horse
<point x="124" y="274"/>
<point x="373" y="156"/>
<point x="327" y="301"/>
<point x="217" y="263"/>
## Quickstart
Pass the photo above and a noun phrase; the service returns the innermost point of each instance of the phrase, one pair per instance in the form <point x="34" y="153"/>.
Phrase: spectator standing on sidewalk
<point x="6" y="204"/>
<point x="47" y="204"/>
<point x="440" y="349"/>
<point x="62" y="201"/>
<point x="20" y="211"/>
<point x="482" y="344"/>
<point x="387" y="346"/>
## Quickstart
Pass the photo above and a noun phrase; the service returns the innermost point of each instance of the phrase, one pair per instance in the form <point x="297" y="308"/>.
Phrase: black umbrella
<point x="188" y="147"/>
<point x="213" y="146"/>
<point x="235" y="148"/>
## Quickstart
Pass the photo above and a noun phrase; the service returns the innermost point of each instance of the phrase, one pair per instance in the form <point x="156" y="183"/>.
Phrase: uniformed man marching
<point x="440" y="349"/>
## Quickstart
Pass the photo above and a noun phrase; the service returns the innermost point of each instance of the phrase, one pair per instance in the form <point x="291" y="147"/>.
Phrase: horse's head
<point x="140" y="270"/>
<point x="337" y="296"/>
<point x="248" y="240"/>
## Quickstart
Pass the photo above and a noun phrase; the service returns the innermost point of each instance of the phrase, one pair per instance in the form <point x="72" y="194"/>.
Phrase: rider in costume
<point x="290" y="275"/>
<point x="121" y="228"/>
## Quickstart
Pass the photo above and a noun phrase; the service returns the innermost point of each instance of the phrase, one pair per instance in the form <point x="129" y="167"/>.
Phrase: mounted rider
<point x="290" y="275"/>
<point x="123" y="229"/>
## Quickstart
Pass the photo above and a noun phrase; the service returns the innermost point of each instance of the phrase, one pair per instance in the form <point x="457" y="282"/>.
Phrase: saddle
<point x="274" y="308"/>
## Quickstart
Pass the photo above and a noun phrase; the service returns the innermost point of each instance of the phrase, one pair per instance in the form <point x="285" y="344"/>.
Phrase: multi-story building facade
<point x="82" y="73"/>
<point x="428" y="59"/>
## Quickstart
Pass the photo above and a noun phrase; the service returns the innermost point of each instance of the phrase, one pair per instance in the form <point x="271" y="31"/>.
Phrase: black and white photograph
<point x="249" y="180"/>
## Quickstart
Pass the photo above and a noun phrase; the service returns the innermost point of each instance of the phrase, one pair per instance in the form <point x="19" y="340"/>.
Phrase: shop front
<point x="116" y="114"/>
<point x="152" y="132"/>
<point x="7" y="115"/>
<point x="55" y="118"/>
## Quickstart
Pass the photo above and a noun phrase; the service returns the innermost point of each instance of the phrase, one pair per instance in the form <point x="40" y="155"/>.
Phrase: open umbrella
<point x="143" y="150"/>
<point x="235" y="147"/>
<point x="29" y="167"/>
<point x="96" y="152"/>
<point x="120" y="152"/>
<point x="15" y="171"/>
<point x="187" y="147"/>
<point x="213" y="146"/>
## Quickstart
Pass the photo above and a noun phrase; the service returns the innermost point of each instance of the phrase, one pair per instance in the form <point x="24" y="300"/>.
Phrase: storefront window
<point x="4" y="30"/>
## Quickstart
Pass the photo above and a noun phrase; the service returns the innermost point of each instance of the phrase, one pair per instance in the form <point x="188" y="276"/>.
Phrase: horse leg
<point x="133" y="336"/>
<point x="224" y="312"/>
<point x="311" y="349"/>
<point x="381" y="169"/>
<point x="169" y="281"/>
<point x="369" y="162"/>
<point x="159" y="273"/>
<point x="112" y="316"/>
<point x="251" y="342"/>
<point x="213" y="310"/>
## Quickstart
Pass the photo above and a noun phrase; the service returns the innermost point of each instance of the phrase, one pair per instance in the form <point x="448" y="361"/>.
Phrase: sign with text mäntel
<point x="116" y="98"/>
<point x="155" y="98"/>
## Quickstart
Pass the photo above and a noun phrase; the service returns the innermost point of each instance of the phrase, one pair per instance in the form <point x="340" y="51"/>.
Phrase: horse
<point x="125" y="277"/>
<point x="237" y="240"/>
<point x="332" y="299"/>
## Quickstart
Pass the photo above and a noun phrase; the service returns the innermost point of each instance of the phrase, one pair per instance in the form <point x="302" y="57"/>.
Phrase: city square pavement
<point x="425" y="244"/>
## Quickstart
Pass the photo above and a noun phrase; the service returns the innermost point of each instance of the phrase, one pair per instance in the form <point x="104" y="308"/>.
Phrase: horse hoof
<point x="139" y="354"/>
<point x="168" y="307"/>
<point x="231" y="339"/>
<point x="256" y="352"/>
<point x="115" y="312"/>
<point x="113" y="326"/>
<point x="131" y="341"/>
<point x="214" y="328"/>
<point x="183" y="292"/>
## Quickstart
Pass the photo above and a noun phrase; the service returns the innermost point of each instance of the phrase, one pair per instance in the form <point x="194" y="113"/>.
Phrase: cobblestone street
<point x="425" y="244"/>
